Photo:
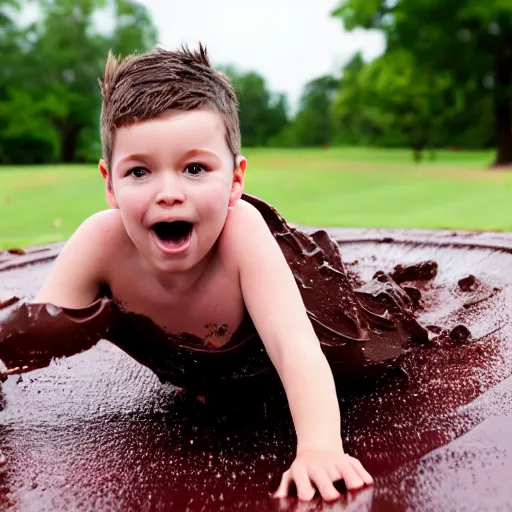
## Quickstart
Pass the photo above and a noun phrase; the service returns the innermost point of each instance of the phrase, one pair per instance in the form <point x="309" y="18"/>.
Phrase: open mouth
<point x="173" y="235"/>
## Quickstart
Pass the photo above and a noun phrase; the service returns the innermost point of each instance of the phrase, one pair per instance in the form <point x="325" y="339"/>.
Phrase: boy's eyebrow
<point x="199" y="152"/>
<point x="135" y="156"/>
<point x="188" y="154"/>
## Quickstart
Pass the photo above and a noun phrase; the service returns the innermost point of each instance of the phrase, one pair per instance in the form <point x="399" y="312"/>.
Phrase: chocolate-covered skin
<point x="32" y="334"/>
<point x="97" y="431"/>
<point x="363" y="330"/>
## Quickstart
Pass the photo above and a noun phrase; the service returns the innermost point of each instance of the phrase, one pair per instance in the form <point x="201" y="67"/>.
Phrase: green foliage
<point x="355" y="123"/>
<point x="401" y="100"/>
<point x="49" y="94"/>
<point x="134" y="29"/>
<point x="28" y="136"/>
<point x="361" y="13"/>
<point x="470" y="40"/>
<point x="313" y="124"/>
<point x="262" y="114"/>
<point x="444" y="80"/>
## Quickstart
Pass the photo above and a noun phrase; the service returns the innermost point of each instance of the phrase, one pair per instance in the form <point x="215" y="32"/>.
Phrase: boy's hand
<point x="322" y="468"/>
<point x="3" y="370"/>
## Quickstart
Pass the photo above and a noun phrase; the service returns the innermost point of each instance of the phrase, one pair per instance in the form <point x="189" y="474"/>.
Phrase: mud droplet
<point x="467" y="283"/>
<point x="8" y="302"/>
<point x="414" y="294"/>
<point x="460" y="334"/>
<point x="424" y="271"/>
<point x="16" y="250"/>
<point x="434" y="328"/>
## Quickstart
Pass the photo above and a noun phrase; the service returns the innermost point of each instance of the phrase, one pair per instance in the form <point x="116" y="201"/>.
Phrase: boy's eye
<point x="138" y="172"/>
<point x="195" y="169"/>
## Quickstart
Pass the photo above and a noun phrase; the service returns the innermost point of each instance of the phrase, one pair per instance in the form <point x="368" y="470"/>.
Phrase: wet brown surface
<point x="98" y="431"/>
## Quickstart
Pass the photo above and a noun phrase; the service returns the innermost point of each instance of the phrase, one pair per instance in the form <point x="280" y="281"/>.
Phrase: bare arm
<point x="78" y="271"/>
<point x="32" y="334"/>
<point x="278" y="312"/>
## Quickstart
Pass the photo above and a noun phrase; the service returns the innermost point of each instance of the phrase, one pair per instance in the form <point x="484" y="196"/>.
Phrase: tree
<point x="134" y="29"/>
<point x="26" y="135"/>
<point x="470" y="39"/>
<point x="402" y="101"/>
<point x="51" y="83"/>
<point x="354" y="123"/>
<point x="262" y="114"/>
<point x="11" y="41"/>
<point x="313" y="124"/>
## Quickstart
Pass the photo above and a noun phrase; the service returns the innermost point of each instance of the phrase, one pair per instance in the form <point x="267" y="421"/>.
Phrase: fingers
<point x="305" y="491"/>
<point x="350" y="475"/>
<point x="323" y="478"/>
<point x="333" y="473"/>
<point x="356" y="464"/>
<point x="284" y="486"/>
<point x="3" y="371"/>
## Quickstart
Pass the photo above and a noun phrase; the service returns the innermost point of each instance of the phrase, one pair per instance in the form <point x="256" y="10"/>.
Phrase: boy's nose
<point x="170" y="192"/>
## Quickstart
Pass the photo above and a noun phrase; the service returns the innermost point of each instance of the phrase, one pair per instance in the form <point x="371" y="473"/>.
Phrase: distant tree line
<point x="444" y="80"/>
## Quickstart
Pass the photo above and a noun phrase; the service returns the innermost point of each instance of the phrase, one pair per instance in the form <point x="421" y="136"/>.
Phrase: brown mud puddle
<point x="98" y="431"/>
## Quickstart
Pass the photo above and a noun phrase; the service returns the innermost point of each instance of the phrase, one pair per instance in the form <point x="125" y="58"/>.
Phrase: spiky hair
<point x="142" y="87"/>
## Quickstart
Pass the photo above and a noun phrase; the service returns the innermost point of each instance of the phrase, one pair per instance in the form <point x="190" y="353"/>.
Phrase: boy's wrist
<point x="334" y="443"/>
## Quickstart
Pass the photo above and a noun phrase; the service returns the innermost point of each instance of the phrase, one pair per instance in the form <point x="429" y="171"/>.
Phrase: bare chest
<point x="212" y="310"/>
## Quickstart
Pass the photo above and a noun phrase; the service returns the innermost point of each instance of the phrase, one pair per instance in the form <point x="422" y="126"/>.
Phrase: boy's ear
<point x="109" y="191"/>
<point x="237" y="186"/>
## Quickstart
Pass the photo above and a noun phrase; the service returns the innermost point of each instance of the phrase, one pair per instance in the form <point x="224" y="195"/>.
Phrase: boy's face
<point x="172" y="179"/>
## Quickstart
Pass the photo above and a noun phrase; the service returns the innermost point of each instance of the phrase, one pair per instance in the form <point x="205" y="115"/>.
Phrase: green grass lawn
<point x="354" y="187"/>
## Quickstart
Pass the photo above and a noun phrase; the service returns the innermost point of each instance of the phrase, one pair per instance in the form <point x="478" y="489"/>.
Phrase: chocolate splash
<point x="98" y="431"/>
<point x="362" y="331"/>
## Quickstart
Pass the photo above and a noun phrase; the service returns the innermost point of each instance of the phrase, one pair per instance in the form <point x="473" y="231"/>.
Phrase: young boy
<point x="178" y="237"/>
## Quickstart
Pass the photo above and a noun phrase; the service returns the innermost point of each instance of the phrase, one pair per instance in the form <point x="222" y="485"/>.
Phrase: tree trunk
<point x="503" y="109"/>
<point x="68" y="140"/>
<point x="419" y="141"/>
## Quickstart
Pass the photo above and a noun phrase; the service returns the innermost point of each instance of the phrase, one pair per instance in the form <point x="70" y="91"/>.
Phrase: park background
<point x="419" y="135"/>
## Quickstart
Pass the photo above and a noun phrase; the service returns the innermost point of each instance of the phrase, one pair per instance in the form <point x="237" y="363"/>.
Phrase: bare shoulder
<point x="245" y="222"/>
<point x="82" y="266"/>
<point x="97" y="237"/>
<point x="106" y="225"/>
<point x="246" y="234"/>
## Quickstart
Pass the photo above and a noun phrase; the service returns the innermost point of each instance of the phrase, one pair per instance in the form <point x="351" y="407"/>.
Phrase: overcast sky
<point x="288" y="41"/>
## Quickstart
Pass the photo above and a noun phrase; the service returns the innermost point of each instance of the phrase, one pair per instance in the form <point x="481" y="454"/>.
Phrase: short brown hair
<point x="142" y="87"/>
